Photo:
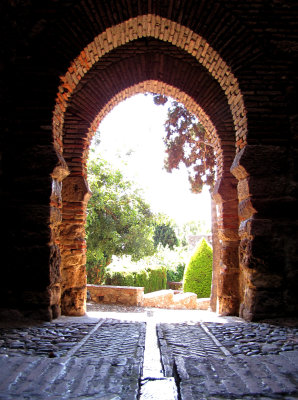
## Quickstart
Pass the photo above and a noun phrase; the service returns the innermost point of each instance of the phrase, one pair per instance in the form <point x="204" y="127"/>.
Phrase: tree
<point x="164" y="233"/>
<point x="198" y="273"/>
<point x="187" y="142"/>
<point x="119" y="221"/>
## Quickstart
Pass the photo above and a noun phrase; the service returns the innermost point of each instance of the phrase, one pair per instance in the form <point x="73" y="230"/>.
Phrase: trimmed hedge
<point x="198" y="272"/>
<point x="151" y="278"/>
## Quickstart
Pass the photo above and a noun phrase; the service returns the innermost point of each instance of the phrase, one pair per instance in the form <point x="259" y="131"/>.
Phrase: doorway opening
<point x="144" y="223"/>
<point x="91" y="88"/>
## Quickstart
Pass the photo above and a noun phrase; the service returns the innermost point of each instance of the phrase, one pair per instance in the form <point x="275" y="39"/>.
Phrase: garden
<point x="130" y="245"/>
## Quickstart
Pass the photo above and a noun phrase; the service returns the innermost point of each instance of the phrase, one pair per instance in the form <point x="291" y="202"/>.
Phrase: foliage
<point x="186" y="141"/>
<point x="164" y="233"/>
<point x="119" y="221"/>
<point x="190" y="228"/>
<point x="176" y="274"/>
<point x="151" y="278"/>
<point x="198" y="273"/>
<point x="173" y="260"/>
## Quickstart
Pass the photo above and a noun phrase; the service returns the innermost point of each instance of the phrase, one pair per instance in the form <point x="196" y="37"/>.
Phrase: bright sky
<point x="136" y="126"/>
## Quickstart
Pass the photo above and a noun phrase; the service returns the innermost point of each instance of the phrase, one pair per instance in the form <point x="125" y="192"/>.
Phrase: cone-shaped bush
<point x="198" y="273"/>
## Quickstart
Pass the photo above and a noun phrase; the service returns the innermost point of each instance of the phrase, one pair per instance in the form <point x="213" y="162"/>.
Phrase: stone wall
<point x="168" y="299"/>
<point x="134" y="296"/>
<point x="125" y="295"/>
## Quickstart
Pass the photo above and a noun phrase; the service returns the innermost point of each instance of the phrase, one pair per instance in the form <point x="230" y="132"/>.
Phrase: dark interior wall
<point x="257" y="39"/>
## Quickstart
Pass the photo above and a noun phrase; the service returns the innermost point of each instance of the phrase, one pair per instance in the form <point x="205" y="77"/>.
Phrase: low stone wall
<point x="159" y="299"/>
<point x="126" y="295"/>
<point x="171" y="300"/>
<point x="134" y="296"/>
<point x="203" y="303"/>
<point x="187" y="301"/>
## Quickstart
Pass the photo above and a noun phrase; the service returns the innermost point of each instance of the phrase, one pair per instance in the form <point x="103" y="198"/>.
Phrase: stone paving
<point x="260" y="377"/>
<point x="255" y="338"/>
<point x="203" y="364"/>
<point x="181" y="339"/>
<point x="49" y="340"/>
<point x="101" y="358"/>
<point x="38" y="378"/>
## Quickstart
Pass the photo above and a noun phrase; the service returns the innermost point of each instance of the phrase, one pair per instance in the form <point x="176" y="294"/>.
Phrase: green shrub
<point x="176" y="274"/>
<point x="198" y="273"/>
<point x="151" y="278"/>
<point x="157" y="279"/>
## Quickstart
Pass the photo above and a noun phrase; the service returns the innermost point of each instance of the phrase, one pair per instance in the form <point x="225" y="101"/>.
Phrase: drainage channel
<point x="154" y="385"/>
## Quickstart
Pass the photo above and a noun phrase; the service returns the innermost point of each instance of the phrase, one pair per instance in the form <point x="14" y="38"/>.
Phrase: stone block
<point x="126" y="295"/>
<point x="159" y="299"/>
<point x="73" y="301"/>
<point x="73" y="277"/>
<point x="255" y="227"/>
<point x="246" y="209"/>
<point x="185" y="301"/>
<point x="255" y="159"/>
<point x="203" y="303"/>
<point x="225" y="190"/>
<point x="230" y="255"/>
<point x="75" y="189"/>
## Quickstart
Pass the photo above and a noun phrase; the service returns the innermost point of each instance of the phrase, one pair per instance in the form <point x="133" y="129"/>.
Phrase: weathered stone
<point x="227" y="305"/>
<point x="255" y="160"/>
<point x="225" y="189"/>
<point x="184" y="301"/>
<point x="268" y="207"/>
<point x="160" y="299"/>
<point x="255" y="227"/>
<point x="228" y="234"/>
<point x="264" y="301"/>
<point x="73" y="301"/>
<point x="76" y="189"/>
<point x="216" y="256"/>
<point x="116" y="294"/>
<point x="55" y="217"/>
<point x="72" y="260"/>
<point x="246" y="209"/>
<point x="72" y="231"/>
<point x="73" y="276"/>
<point x="61" y="171"/>
<point x="266" y="281"/>
<point x="228" y="283"/>
<point x="203" y="303"/>
<point x="230" y="256"/>
<point x="243" y="189"/>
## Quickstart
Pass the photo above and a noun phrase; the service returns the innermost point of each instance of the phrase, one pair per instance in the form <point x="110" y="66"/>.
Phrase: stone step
<point x="168" y="299"/>
<point x="158" y="299"/>
<point x="203" y="303"/>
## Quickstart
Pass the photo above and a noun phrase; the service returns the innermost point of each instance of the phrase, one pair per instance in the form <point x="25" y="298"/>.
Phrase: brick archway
<point x="206" y="49"/>
<point x="163" y="29"/>
<point x="76" y="117"/>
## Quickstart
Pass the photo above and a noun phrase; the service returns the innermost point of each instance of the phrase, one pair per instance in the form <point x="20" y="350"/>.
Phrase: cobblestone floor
<point x="181" y="339"/>
<point x="255" y="338"/>
<point x="202" y="360"/>
<point x="49" y="340"/>
<point x="101" y="358"/>
<point x="261" y="377"/>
